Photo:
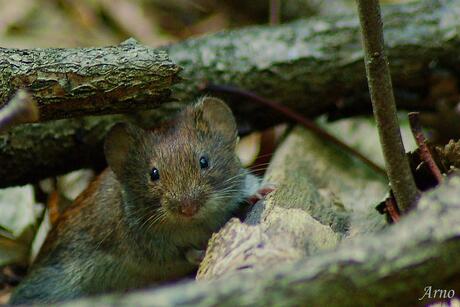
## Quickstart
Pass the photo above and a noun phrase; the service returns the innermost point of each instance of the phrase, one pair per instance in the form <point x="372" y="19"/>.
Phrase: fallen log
<point x="316" y="66"/>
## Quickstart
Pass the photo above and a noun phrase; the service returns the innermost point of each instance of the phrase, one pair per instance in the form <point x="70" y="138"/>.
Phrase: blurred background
<point x="85" y="23"/>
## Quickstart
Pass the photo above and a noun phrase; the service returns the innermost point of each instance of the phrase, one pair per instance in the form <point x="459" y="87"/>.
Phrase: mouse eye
<point x="204" y="163"/>
<point x="154" y="174"/>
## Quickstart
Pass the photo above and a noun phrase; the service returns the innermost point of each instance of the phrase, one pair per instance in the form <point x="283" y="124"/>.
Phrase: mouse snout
<point x="185" y="204"/>
<point x="189" y="207"/>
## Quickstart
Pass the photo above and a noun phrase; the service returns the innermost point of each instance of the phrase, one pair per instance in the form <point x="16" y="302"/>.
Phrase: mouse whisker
<point x="265" y="163"/>
<point x="138" y="214"/>
<point x="227" y="196"/>
<point x="158" y="222"/>
<point x="260" y="167"/>
<point x="266" y="155"/>
<point x="236" y="176"/>
<point x="227" y="192"/>
<point x="231" y="184"/>
<point x="148" y="220"/>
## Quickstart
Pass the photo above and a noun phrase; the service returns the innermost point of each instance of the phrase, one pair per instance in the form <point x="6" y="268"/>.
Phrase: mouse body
<point x="165" y="192"/>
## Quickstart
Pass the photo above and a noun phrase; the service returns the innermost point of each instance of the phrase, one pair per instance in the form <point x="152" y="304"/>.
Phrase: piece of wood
<point x="70" y="82"/>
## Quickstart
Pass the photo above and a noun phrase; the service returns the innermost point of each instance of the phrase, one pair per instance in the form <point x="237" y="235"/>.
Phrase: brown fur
<point x="125" y="230"/>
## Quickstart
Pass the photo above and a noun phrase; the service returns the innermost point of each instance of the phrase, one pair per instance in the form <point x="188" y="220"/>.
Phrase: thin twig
<point x="425" y="154"/>
<point x="308" y="124"/>
<point x="20" y="109"/>
<point x="389" y="208"/>
<point x="267" y="147"/>
<point x="275" y="12"/>
<point x="392" y="208"/>
<point x="383" y="105"/>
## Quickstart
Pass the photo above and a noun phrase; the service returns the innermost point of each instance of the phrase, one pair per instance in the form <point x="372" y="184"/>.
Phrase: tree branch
<point x="87" y="81"/>
<point x="384" y="106"/>
<point x="420" y="140"/>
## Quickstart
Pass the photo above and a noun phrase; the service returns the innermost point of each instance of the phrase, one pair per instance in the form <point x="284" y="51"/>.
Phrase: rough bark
<point x="30" y="153"/>
<point x="87" y="81"/>
<point x="314" y="66"/>
<point x="390" y="267"/>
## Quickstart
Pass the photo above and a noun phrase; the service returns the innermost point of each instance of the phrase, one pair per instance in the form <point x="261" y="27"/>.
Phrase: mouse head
<point x="185" y="171"/>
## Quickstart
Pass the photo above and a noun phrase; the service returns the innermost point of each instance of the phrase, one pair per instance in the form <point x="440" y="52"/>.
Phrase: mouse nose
<point x="189" y="207"/>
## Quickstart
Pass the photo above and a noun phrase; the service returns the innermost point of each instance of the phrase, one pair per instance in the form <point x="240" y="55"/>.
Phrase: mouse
<point x="142" y="221"/>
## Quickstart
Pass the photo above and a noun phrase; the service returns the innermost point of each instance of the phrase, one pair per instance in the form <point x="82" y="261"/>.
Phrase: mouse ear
<point x="117" y="144"/>
<point x="218" y="117"/>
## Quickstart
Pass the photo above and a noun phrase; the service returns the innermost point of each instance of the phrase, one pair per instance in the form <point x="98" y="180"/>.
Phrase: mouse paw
<point x="261" y="193"/>
<point x="195" y="256"/>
